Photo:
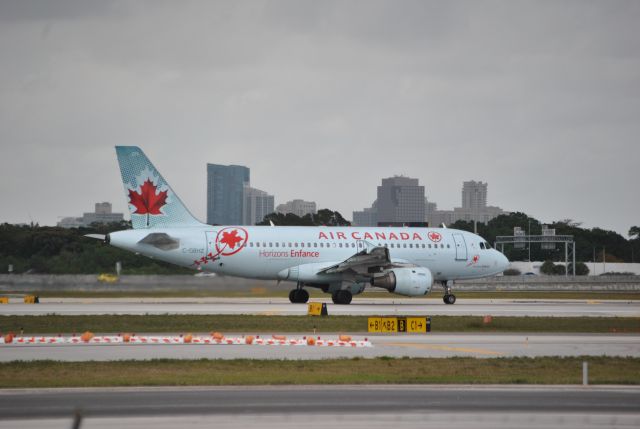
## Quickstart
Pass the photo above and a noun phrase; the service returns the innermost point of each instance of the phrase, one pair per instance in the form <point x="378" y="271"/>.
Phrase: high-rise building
<point x="474" y="207"/>
<point x="400" y="200"/>
<point x="299" y="208"/>
<point x="257" y="204"/>
<point x="225" y="193"/>
<point x="474" y="196"/>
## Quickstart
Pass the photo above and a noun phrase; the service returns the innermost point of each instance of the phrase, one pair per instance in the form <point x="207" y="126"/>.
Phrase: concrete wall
<point x="595" y="268"/>
<point x="39" y="282"/>
<point x="34" y="282"/>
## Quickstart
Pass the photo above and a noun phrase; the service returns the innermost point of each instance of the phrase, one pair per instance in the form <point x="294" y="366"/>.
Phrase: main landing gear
<point x="341" y="297"/>
<point x="299" y="295"/>
<point x="448" y="298"/>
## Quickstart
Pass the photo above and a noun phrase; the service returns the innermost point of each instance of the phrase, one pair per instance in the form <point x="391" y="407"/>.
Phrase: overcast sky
<point x="322" y="99"/>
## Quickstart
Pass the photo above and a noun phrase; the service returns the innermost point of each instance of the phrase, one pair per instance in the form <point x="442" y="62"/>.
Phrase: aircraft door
<point x="461" y="247"/>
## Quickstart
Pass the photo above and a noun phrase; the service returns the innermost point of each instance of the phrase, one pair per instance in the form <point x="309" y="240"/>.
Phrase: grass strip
<point x="545" y="370"/>
<point x="316" y="294"/>
<point x="257" y="323"/>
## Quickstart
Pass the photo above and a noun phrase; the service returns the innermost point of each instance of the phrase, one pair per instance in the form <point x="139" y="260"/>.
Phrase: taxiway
<point x="359" y="307"/>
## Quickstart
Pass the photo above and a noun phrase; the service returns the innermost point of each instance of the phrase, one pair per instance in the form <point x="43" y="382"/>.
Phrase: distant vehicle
<point x="340" y="261"/>
<point x="529" y="274"/>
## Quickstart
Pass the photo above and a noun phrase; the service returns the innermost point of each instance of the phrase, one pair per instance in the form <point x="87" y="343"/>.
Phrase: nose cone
<point x="503" y="262"/>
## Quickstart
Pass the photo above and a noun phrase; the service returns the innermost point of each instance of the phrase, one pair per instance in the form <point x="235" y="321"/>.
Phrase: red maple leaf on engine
<point x="231" y="238"/>
<point x="147" y="201"/>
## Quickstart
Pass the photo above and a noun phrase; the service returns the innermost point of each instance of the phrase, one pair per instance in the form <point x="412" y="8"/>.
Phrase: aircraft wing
<point x="364" y="262"/>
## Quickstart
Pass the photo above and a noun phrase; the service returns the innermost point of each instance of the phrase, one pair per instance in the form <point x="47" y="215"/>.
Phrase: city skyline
<point x="323" y="99"/>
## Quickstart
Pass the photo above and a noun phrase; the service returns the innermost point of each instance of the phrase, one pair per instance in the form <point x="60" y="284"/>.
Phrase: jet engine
<point x="410" y="281"/>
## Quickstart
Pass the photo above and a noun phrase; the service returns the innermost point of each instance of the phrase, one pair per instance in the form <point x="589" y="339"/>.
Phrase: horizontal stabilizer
<point x="96" y="236"/>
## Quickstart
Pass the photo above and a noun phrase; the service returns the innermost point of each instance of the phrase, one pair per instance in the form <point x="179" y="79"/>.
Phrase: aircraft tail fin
<point x="152" y="203"/>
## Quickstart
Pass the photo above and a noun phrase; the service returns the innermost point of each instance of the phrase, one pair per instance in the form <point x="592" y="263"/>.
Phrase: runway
<point x="319" y="406"/>
<point x="397" y="345"/>
<point x="359" y="306"/>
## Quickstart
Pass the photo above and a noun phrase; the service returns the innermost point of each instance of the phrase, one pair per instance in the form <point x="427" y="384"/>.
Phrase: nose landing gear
<point x="298" y="295"/>
<point x="448" y="298"/>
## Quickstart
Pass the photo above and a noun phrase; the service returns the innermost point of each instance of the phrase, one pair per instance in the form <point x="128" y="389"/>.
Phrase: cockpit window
<point x="487" y="245"/>
<point x="482" y="245"/>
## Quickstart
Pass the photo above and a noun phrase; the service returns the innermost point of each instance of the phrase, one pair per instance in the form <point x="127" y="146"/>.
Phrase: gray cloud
<point x="322" y="99"/>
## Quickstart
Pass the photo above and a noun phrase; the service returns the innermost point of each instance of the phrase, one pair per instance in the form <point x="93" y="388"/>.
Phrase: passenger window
<point x="340" y="244"/>
<point x="270" y="244"/>
<point x="448" y="246"/>
<point x="290" y="245"/>
<point x="353" y="244"/>
<point x="442" y="246"/>
<point x="308" y="244"/>
<point x="404" y="245"/>
<point x="264" y="244"/>
<point x="423" y="246"/>
<point x="482" y="245"/>
<point x="301" y="244"/>
<point x="257" y="244"/>
<point x="411" y="245"/>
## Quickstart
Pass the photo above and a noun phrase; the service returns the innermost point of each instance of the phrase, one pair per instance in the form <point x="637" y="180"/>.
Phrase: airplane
<point x="341" y="261"/>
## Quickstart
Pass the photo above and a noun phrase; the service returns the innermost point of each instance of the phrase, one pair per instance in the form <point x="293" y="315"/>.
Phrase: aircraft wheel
<point x="334" y="297"/>
<point x="298" y="296"/>
<point x="449" y="299"/>
<point x="342" y="297"/>
<point x="303" y="296"/>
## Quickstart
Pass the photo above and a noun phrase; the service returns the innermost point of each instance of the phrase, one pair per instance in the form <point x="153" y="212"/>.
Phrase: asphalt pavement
<point x="319" y="406"/>
<point x="396" y="345"/>
<point x="359" y="306"/>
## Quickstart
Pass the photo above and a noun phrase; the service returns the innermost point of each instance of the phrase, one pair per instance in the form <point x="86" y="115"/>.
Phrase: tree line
<point x="55" y="250"/>
<point x="590" y="242"/>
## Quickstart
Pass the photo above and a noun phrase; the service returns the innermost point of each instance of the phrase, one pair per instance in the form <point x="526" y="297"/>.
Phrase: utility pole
<point x="529" y="234"/>
<point x="604" y="260"/>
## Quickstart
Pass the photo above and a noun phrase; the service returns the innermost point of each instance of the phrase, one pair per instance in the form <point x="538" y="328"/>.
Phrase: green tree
<point x="634" y="232"/>
<point x="324" y="217"/>
<point x="548" y="268"/>
<point x="512" y="272"/>
<point x="581" y="269"/>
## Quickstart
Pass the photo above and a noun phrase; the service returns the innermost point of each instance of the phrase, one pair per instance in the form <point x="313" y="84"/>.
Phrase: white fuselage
<point x="264" y="252"/>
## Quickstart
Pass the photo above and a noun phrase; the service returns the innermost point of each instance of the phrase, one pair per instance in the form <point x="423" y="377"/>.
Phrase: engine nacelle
<point x="411" y="281"/>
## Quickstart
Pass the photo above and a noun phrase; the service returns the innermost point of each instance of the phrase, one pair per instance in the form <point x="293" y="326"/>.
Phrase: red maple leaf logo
<point x="434" y="236"/>
<point x="147" y="201"/>
<point x="231" y="238"/>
